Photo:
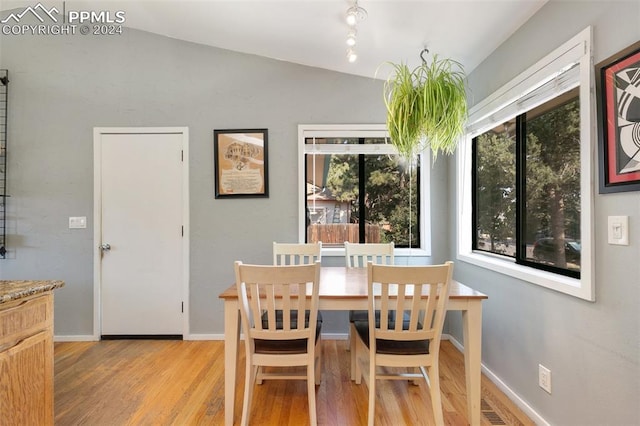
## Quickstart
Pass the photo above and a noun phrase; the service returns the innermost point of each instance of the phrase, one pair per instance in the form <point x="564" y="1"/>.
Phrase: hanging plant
<point x="426" y="107"/>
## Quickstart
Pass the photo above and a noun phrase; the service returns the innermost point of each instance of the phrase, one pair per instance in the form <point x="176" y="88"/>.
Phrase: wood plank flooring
<point x="154" y="382"/>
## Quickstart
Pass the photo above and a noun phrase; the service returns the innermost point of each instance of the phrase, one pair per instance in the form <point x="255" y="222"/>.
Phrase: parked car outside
<point x="544" y="249"/>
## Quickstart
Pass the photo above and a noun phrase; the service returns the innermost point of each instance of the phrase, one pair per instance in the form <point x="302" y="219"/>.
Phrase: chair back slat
<point x="399" y="307"/>
<point x="416" y="313"/>
<point x="300" y="304"/>
<point x="420" y="292"/>
<point x="358" y="255"/>
<point x="254" y="302"/>
<point x="431" y="307"/>
<point x="296" y="254"/>
<point x="384" y="308"/>
<point x="279" y="296"/>
<point x="287" y="307"/>
<point x="270" y="291"/>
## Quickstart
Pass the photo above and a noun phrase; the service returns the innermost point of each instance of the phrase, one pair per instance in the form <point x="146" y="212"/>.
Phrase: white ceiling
<point x="313" y="32"/>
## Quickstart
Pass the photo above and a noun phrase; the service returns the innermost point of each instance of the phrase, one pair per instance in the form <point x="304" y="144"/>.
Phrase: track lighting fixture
<point x="355" y="13"/>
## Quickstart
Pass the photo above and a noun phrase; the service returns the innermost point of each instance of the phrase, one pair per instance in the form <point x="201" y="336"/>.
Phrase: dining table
<point x="344" y="289"/>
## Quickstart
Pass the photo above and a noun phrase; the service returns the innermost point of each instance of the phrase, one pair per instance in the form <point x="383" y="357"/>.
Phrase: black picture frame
<point x="241" y="163"/>
<point x="619" y="121"/>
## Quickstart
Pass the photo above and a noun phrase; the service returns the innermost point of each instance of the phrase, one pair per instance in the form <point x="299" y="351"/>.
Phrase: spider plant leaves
<point x="426" y="107"/>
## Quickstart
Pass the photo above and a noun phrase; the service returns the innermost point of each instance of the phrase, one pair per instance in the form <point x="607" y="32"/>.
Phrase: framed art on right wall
<point x="618" y="93"/>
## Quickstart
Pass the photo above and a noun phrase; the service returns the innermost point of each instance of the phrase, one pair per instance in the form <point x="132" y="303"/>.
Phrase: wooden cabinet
<point x="26" y="361"/>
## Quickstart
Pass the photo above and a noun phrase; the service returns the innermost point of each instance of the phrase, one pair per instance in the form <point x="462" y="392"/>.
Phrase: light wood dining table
<point x="343" y="289"/>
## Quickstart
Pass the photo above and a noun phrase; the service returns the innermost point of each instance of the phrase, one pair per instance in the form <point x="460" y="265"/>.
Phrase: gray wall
<point x="592" y="349"/>
<point x="64" y="86"/>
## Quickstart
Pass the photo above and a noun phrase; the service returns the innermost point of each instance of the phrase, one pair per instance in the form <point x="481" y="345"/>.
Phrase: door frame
<point x="97" y="217"/>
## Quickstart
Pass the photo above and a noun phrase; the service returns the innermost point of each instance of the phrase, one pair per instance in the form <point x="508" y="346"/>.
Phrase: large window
<point x="356" y="188"/>
<point x="524" y="175"/>
<point x="527" y="187"/>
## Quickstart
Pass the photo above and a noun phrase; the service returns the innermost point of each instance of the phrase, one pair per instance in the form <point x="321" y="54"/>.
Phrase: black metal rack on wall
<point x="4" y="107"/>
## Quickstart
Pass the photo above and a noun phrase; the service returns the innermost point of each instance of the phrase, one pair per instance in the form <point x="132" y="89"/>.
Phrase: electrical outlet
<point x="544" y="378"/>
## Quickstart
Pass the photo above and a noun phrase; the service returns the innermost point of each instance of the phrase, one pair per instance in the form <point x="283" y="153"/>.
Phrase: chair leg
<point x="436" y="400"/>
<point x="260" y="375"/>
<point x="372" y="390"/>
<point x="416" y="382"/>
<point x="318" y="361"/>
<point x="250" y="377"/>
<point x="352" y="347"/>
<point x="349" y="348"/>
<point x="311" y="390"/>
<point x="357" y="368"/>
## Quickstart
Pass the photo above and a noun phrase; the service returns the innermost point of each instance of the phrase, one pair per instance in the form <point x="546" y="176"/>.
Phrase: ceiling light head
<point x="351" y="17"/>
<point x="351" y="37"/>
<point x="352" y="56"/>
<point x="355" y="13"/>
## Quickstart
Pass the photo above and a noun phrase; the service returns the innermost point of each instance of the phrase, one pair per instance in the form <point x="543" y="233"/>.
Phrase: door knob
<point x="104" y="247"/>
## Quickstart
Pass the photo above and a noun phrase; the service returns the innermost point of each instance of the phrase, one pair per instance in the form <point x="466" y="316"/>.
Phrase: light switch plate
<point x="77" y="222"/>
<point x="618" y="230"/>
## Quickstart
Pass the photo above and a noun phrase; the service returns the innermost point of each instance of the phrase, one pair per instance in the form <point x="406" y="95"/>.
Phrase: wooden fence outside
<point x="338" y="233"/>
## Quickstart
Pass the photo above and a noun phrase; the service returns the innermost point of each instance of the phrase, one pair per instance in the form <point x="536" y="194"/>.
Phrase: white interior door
<point x="141" y="274"/>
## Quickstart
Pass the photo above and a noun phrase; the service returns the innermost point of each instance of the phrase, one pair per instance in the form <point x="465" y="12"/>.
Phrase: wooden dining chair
<point x="296" y="254"/>
<point x="357" y="256"/>
<point x="274" y="300"/>
<point x="421" y="292"/>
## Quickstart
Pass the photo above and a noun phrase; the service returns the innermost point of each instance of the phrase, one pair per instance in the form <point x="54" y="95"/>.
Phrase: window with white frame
<point x="354" y="187"/>
<point x="524" y="175"/>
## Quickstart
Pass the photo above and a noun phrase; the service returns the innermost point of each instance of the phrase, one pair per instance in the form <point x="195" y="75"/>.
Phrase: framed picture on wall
<point x="240" y="159"/>
<point x="618" y="92"/>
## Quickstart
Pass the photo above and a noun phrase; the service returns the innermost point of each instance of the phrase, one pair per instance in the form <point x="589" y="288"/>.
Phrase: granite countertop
<point x="14" y="290"/>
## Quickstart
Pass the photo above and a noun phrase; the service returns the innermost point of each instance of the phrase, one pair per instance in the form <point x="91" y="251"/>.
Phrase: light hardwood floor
<point x="153" y="382"/>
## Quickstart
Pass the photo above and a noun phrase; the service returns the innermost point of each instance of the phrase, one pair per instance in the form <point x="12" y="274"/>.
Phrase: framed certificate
<point x="240" y="158"/>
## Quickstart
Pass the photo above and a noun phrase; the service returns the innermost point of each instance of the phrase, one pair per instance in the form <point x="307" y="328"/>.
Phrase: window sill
<point x="572" y="286"/>
<point x="399" y="252"/>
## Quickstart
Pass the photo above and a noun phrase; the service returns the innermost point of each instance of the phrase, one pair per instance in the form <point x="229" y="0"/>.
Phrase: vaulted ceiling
<point x="314" y="32"/>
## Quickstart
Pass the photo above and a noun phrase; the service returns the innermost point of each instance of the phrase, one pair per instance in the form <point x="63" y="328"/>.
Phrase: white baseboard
<point x="335" y="336"/>
<point x="76" y="338"/>
<point x="203" y="337"/>
<point x="514" y="397"/>
<point x="91" y="338"/>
